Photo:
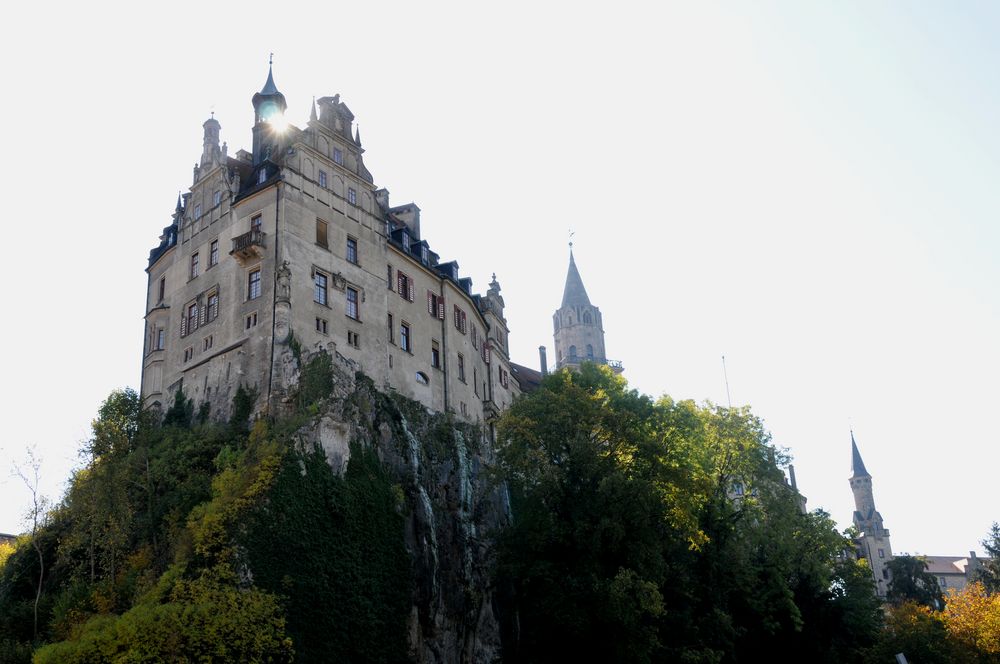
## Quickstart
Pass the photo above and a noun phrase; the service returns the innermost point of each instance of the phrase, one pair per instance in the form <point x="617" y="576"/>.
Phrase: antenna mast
<point x="726" y="376"/>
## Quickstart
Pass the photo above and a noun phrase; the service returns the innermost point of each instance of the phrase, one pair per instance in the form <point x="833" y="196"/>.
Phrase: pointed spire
<point x="574" y="294"/>
<point x="857" y="465"/>
<point x="357" y="134"/>
<point x="269" y="87"/>
<point x="180" y="203"/>
<point x="312" y="111"/>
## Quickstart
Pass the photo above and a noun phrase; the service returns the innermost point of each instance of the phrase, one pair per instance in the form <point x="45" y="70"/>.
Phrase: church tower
<point x="579" y="330"/>
<point x="873" y="537"/>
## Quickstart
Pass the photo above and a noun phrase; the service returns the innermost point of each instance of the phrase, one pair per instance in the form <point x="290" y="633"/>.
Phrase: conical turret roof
<point x="574" y="294"/>
<point x="857" y="465"/>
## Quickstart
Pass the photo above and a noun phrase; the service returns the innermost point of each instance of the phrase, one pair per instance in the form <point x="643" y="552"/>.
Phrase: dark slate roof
<point x="270" y="88"/>
<point x="574" y="294"/>
<point x="528" y="378"/>
<point x="857" y="465"/>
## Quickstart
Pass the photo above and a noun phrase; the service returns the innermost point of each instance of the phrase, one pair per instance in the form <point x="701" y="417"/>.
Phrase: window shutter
<point x="201" y="316"/>
<point x="430" y="303"/>
<point x="409" y="288"/>
<point x="184" y="324"/>
<point x="440" y="311"/>
<point x="399" y="282"/>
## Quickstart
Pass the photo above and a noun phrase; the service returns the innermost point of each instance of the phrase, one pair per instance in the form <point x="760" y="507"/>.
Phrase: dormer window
<point x="261" y="176"/>
<point x="423" y="255"/>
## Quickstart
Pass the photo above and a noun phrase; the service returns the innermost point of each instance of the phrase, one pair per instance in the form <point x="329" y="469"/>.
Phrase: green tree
<point x="911" y="582"/>
<point x="988" y="573"/>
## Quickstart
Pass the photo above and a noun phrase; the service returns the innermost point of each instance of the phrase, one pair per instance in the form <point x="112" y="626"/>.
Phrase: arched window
<point x="586" y="318"/>
<point x="422" y="378"/>
<point x="590" y="351"/>
<point x="572" y="351"/>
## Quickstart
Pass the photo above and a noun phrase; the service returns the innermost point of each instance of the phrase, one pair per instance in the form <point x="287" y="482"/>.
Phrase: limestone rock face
<point x="453" y="510"/>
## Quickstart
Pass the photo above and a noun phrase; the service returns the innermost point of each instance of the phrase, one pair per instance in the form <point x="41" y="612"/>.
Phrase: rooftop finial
<point x="270" y="59"/>
<point x="571" y="234"/>
<point x="312" y="111"/>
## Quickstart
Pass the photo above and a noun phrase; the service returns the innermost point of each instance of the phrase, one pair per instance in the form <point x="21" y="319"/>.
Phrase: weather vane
<point x="571" y="234"/>
<point x="270" y="59"/>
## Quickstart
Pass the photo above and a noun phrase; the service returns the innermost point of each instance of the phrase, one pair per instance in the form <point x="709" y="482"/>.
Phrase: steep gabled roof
<point x="574" y="294"/>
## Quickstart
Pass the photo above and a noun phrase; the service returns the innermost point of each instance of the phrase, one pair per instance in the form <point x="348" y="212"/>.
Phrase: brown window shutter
<point x="409" y="288"/>
<point x="184" y="324"/>
<point x="399" y="282"/>
<point x="440" y="311"/>
<point x="430" y="303"/>
<point x="201" y="316"/>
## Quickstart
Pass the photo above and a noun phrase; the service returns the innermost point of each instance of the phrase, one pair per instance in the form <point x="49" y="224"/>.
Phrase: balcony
<point x="249" y="246"/>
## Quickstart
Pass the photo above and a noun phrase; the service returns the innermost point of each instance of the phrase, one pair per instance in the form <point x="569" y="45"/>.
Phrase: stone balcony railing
<point x="248" y="246"/>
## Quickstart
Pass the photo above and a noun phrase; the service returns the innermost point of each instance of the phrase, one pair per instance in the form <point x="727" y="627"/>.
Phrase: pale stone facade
<point x="293" y="246"/>
<point x="873" y="538"/>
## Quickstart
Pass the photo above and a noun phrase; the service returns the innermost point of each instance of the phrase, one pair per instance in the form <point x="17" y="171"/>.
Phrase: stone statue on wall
<point x="284" y="282"/>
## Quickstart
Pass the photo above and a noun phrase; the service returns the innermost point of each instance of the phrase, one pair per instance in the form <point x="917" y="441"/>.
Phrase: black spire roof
<point x="574" y="294"/>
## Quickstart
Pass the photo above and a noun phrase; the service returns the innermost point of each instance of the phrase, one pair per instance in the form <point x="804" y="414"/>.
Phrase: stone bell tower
<point x="873" y="538"/>
<point x="579" y="329"/>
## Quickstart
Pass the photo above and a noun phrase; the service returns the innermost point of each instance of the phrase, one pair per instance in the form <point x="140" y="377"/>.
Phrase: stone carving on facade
<point x="284" y="283"/>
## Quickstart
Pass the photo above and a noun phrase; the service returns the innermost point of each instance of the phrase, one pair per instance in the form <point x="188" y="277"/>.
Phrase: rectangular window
<point x="475" y="337"/>
<point x="352" y="304"/>
<point x="194" y="265"/>
<point x="262" y="176"/>
<point x="435" y="305"/>
<point x="475" y="381"/>
<point x="352" y="196"/>
<point x="213" y="306"/>
<point x="404" y="337"/>
<point x="435" y="355"/>
<point x="881" y="553"/>
<point x="388" y="276"/>
<point x="255" y="222"/>
<point x="163" y="288"/>
<point x="322" y="179"/>
<point x="320" y="288"/>
<point x="338" y="156"/>
<point x="462" y="407"/>
<point x="216" y="198"/>
<point x="321" y="238"/>
<point x="197" y="211"/>
<point x="188" y="353"/>
<point x="252" y="320"/>
<point x="404" y="285"/>
<point x="161" y="339"/>
<point x="213" y="253"/>
<point x="253" y="285"/>
<point x="392" y="330"/>
<point x="209" y="341"/>
<point x="460" y="321"/>
<point x="192" y="317"/>
<point x="321" y="325"/>
<point x="461" y="367"/>
<point x="352" y="250"/>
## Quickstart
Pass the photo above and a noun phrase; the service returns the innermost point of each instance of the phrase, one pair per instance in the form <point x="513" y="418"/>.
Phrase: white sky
<point x="807" y="188"/>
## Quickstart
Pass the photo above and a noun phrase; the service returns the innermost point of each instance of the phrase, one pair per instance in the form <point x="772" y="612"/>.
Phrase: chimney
<point x="791" y="476"/>
<point x="542" y="360"/>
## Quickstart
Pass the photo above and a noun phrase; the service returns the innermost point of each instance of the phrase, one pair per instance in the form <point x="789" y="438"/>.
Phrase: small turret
<point x="211" y="153"/>
<point x="269" y="118"/>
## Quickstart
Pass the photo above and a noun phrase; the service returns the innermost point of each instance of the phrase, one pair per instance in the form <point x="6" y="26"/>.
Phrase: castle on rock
<point x="292" y="248"/>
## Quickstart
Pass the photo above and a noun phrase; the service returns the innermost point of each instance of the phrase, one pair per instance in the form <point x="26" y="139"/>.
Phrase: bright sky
<point x="807" y="188"/>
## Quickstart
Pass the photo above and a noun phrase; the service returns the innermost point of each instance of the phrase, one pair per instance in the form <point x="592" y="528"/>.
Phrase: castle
<point x="291" y="248"/>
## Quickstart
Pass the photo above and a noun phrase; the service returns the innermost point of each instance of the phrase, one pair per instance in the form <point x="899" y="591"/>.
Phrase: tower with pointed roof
<point x="579" y="328"/>
<point x="873" y="538"/>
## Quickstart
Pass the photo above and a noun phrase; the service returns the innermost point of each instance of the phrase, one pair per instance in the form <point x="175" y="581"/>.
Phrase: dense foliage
<point x="193" y="541"/>
<point x="664" y="531"/>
